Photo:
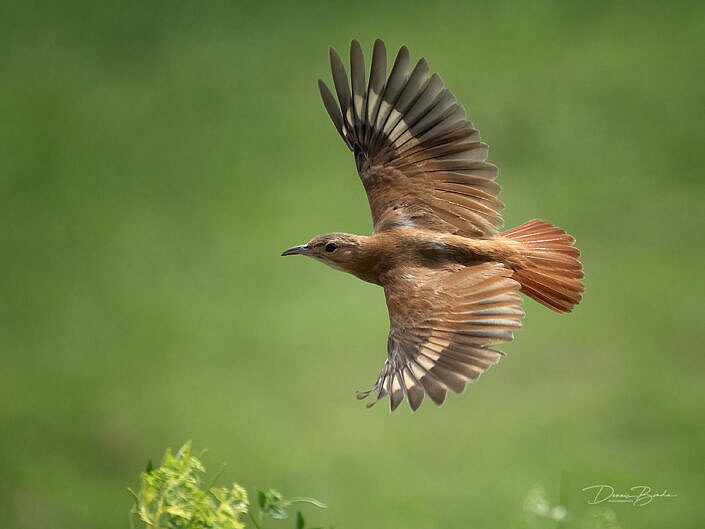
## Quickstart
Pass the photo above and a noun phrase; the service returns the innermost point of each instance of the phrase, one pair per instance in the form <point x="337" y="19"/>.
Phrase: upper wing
<point x="421" y="162"/>
<point x="441" y="326"/>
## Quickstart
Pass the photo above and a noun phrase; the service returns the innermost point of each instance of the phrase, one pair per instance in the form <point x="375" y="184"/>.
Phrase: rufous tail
<point x="550" y="272"/>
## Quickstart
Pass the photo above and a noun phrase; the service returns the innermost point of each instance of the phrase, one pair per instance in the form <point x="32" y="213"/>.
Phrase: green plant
<point x="171" y="497"/>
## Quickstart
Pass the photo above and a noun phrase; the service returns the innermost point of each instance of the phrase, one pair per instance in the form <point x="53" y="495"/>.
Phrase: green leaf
<point x="300" y="523"/>
<point x="149" y="467"/>
<point x="261" y="498"/>
<point x="273" y="504"/>
<point x="275" y="511"/>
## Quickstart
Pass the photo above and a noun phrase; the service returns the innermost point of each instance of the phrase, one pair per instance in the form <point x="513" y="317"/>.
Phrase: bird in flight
<point x="450" y="277"/>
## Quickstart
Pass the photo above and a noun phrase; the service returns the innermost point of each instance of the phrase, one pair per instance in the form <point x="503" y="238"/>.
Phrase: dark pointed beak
<point x="297" y="250"/>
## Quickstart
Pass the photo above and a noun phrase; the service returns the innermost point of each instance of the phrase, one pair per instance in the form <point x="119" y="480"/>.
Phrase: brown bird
<point x="449" y="277"/>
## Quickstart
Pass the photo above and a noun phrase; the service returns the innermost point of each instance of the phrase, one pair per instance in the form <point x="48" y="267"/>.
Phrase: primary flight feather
<point x="449" y="277"/>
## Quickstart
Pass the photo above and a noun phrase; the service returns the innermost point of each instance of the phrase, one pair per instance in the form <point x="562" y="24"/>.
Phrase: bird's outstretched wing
<point x="421" y="161"/>
<point x="441" y="326"/>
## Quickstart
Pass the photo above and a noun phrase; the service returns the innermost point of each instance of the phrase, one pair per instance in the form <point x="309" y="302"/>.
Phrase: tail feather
<point x="550" y="271"/>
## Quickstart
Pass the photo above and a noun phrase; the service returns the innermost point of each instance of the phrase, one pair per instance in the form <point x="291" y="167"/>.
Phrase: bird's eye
<point x="330" y="247"/>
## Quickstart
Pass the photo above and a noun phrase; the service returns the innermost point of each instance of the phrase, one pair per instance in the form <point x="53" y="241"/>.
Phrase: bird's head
<point x="342" y="251"/>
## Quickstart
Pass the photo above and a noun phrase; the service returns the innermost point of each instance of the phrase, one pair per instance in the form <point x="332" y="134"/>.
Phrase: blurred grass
<point x="156" y="158"/>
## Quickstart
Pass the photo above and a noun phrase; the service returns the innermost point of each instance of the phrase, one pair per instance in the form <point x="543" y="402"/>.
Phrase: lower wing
<point x="442" y="323"/>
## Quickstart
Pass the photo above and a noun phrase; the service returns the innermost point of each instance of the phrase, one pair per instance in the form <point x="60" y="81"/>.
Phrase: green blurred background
<point x="155" y="159"/>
